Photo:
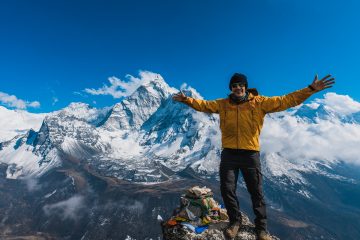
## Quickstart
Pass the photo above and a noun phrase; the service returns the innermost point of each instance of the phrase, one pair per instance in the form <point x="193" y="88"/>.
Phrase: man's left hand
<point x="325" y="82"/>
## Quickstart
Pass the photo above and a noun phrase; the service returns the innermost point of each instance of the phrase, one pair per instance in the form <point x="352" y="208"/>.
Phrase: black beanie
<point x="238" y="78"/>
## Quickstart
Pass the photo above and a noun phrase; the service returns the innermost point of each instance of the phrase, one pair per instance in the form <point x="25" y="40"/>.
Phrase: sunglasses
<point x="235" y="85"/>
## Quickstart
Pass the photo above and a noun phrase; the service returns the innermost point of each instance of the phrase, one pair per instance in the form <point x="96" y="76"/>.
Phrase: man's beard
<point x="238" y="99"/>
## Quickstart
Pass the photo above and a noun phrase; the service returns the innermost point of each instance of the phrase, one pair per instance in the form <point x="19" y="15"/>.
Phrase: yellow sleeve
<point x="202" y="105"/>
<point x="281" y="103"/>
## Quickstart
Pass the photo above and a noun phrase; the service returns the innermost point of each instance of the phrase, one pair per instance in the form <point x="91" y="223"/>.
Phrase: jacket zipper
<point x="252" y="121"/>
<point x="237" y="127"/>
<point x="225" y="117"/>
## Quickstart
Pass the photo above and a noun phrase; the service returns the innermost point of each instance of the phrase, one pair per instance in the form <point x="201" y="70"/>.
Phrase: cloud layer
<point x="120" y="88"/>
<point x="293" y="145"/>
<point x="341" y="104"/>
<point x="325" y="140"/>
<point x="67" y="209"/>
<point x="13" y="102"/>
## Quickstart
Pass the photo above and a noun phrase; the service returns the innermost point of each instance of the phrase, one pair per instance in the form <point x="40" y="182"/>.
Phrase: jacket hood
<point x="253" y="92"/>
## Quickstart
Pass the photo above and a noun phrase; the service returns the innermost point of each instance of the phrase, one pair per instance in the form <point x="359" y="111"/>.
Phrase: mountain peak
<point x="78" y="110"/>
<point x="333" y="107"/>
<point x="135" y="109"/>
<point x="154" y="84"/>
<point x="81" y="111"/>
<point x="77" y="105"/>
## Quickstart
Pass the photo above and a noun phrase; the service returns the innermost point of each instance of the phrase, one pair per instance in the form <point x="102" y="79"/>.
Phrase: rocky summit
<point x="216" y="232"/>
<point x="200" y="217"/>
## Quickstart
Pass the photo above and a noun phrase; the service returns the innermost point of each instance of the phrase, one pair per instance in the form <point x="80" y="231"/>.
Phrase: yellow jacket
<point x="241" y="124"/>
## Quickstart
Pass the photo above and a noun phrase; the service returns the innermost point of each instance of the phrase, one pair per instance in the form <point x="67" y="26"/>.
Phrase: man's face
<point x="238" y="89"/>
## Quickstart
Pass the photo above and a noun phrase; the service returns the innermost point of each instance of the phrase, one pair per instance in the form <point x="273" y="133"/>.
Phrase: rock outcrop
<point x="195" y="219"/>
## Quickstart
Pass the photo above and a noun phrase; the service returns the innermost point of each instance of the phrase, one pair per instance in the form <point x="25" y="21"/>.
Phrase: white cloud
<point x="324" y="140"/>
<point x="67" y="209"/>
<point x="119" y="88"/>
<point x="32" y="184"/>
<point x="186" y="88"/>
<point x="35" y="104"/>
<point x="313" y="105"/>
<point x="292" y="146"/>
<point x="13" y="101"/>
<point x="342" y="104"/>
<point x="80" y="94"/>
<point x="183" y="86"/>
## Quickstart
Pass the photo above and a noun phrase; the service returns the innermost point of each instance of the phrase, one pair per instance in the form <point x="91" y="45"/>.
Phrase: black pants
<point x="248" y="162"/>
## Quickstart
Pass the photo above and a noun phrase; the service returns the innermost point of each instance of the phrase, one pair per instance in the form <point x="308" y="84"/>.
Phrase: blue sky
<point x="52" y="49"/>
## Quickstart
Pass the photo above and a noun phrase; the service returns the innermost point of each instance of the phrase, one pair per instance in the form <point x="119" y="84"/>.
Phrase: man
<point x="241" y="119"/>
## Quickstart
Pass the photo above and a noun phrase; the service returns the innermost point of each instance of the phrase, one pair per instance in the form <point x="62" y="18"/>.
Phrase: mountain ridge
<point x="150" y="141"/>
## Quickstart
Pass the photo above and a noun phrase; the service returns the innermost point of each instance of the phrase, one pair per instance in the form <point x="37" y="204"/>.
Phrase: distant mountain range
<point x="309" y="158"/>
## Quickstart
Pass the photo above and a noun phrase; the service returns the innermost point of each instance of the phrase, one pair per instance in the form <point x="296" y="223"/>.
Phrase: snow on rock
<point x="22" y="162"/>
<point x="15" y="122"/>
<point x="85" y="112"/>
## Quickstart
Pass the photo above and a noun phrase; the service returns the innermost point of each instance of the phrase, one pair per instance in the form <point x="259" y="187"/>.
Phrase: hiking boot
<point x="232" y="230"/>
<point x="263" y="235"/>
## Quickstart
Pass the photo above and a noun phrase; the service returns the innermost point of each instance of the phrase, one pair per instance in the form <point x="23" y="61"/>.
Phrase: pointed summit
<point x="135" y="109"/>
<point x="154" y="84"/>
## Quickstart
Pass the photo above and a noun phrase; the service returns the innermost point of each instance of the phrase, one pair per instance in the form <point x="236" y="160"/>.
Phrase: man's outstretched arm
<point x="197" y="104"/>
<point x="281" y="103"/>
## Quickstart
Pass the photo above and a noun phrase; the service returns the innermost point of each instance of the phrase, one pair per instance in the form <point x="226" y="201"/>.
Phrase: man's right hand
<point x="180" y="97"/>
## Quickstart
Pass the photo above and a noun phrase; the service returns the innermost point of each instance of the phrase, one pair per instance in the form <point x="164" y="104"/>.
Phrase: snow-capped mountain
<point x="149" y="138"/>
<point x="133" y="111"/>
<point x="332" y="107"/>
<point x="144" y="138"/>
